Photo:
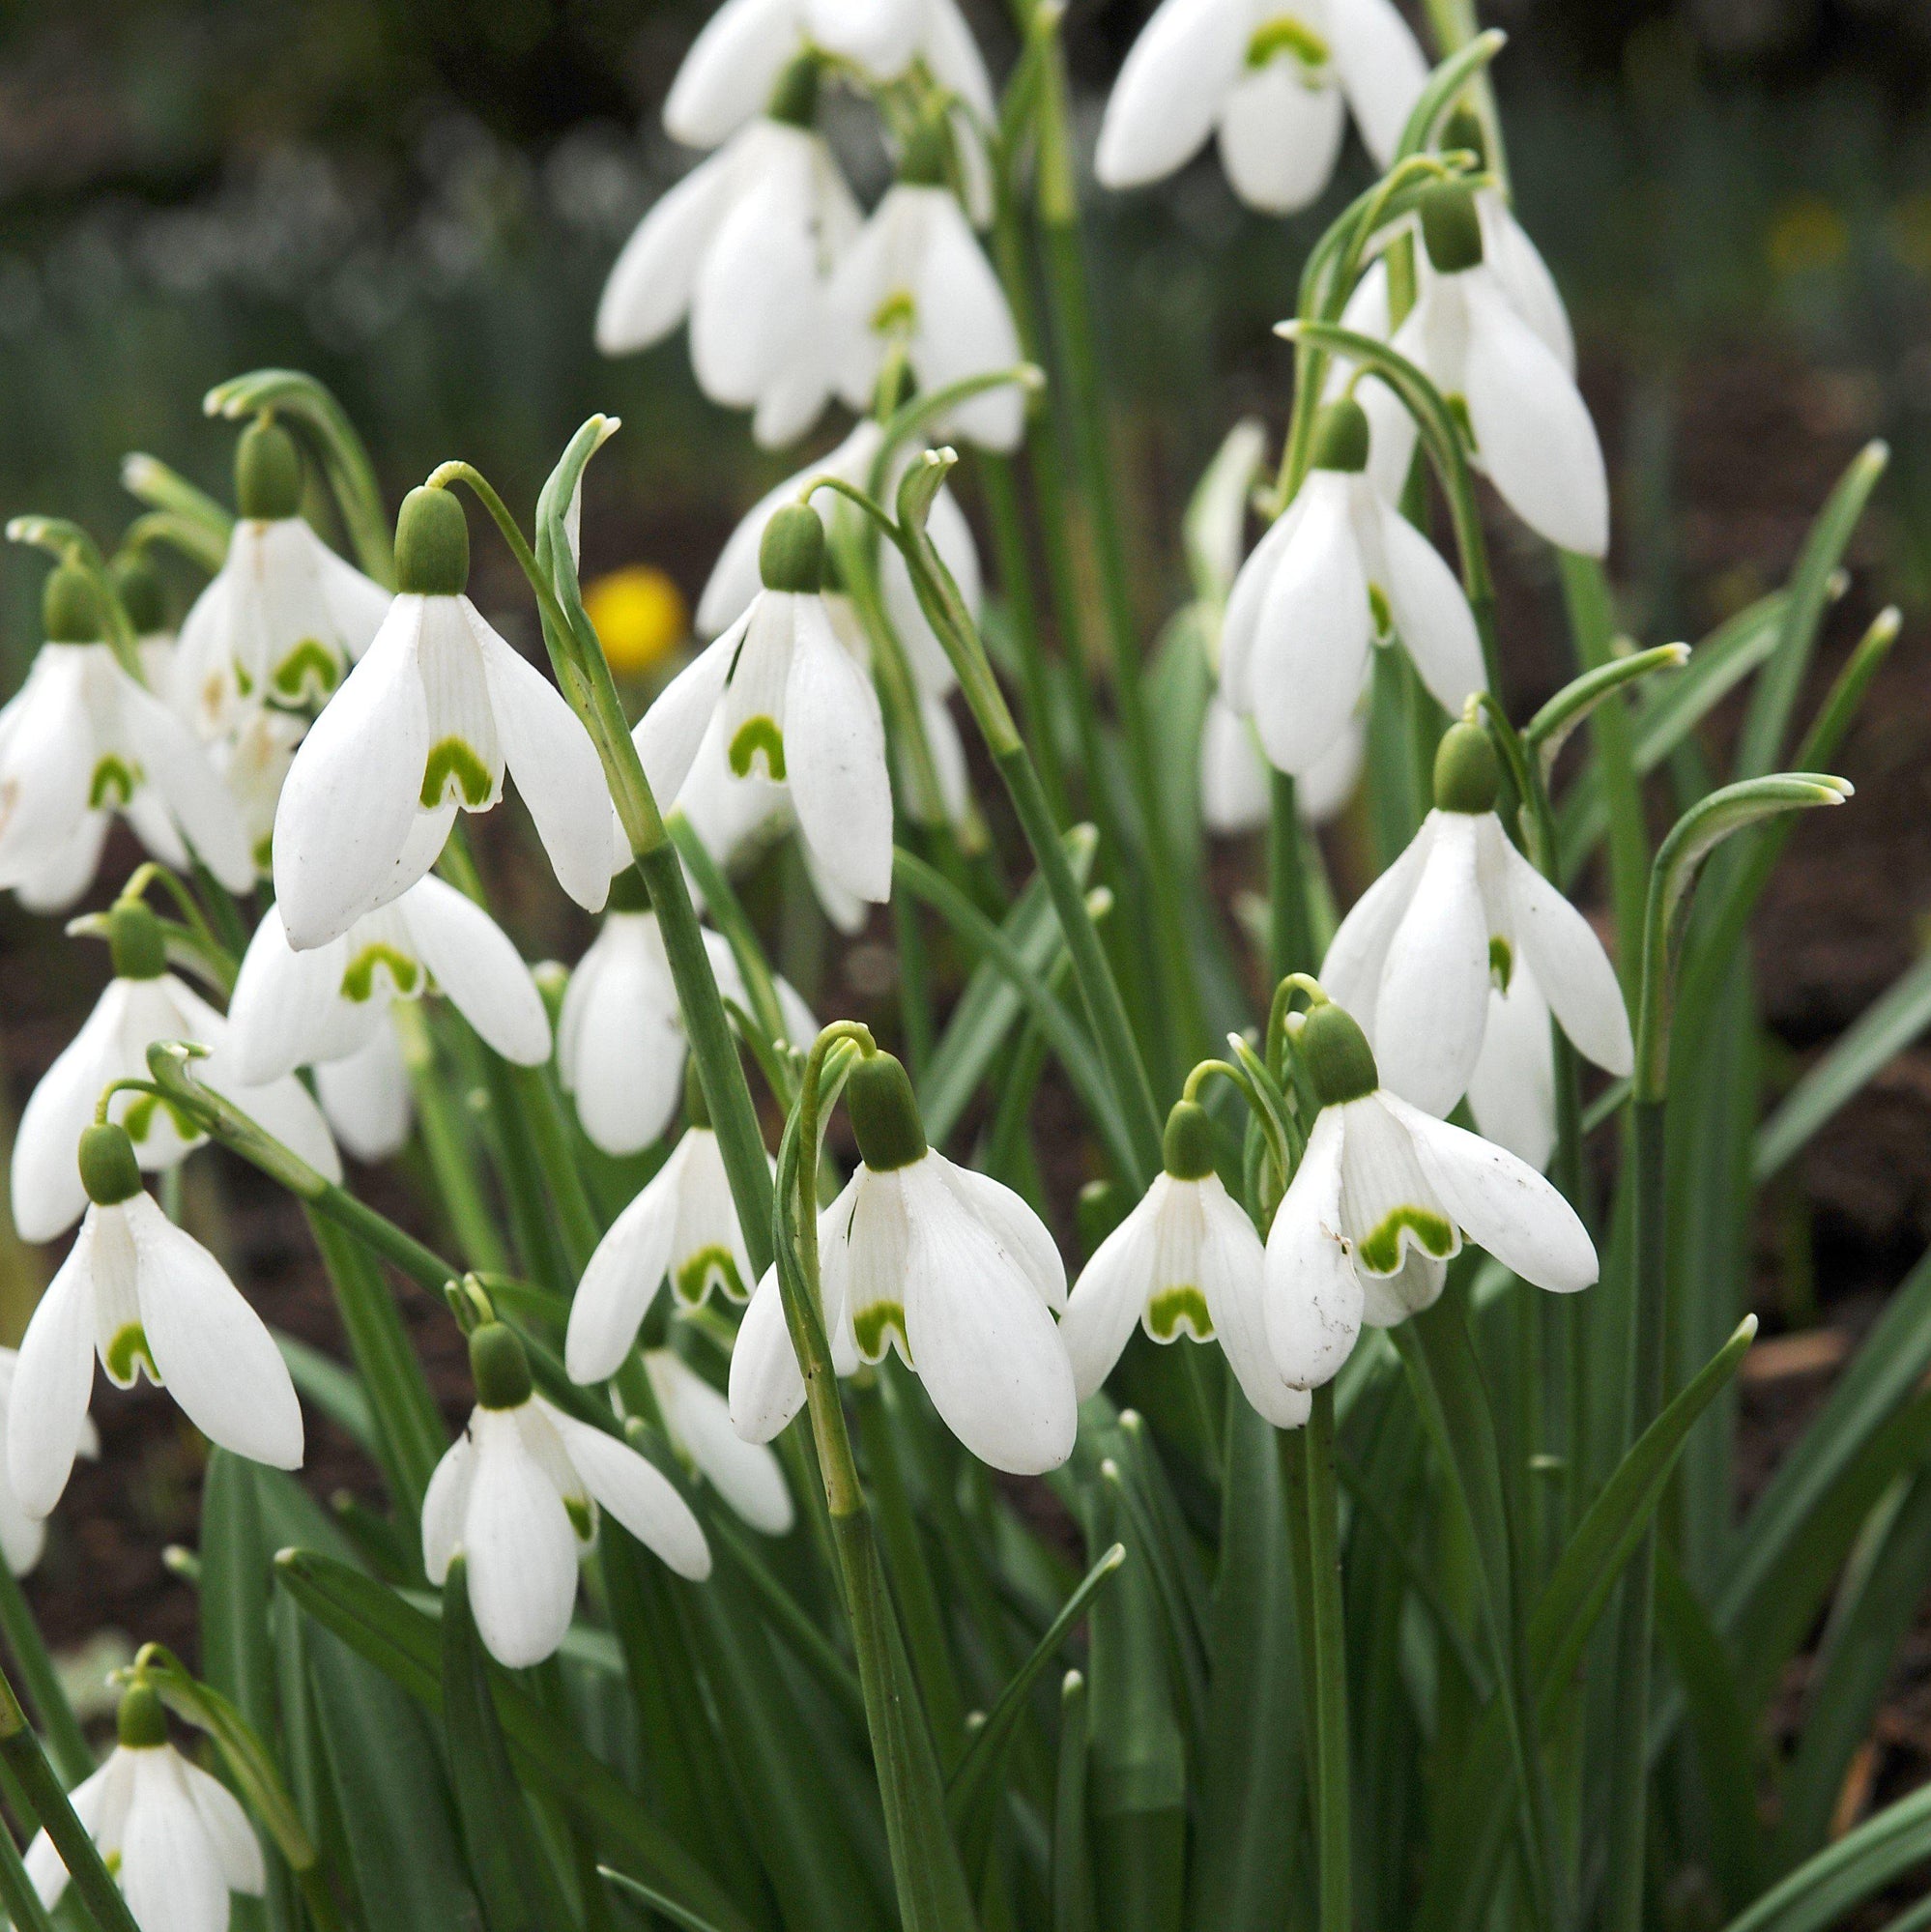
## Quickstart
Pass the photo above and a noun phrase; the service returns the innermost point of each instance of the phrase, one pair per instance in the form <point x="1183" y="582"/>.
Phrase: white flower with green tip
<point x="24" y="1538"/>
<point x="697" y="1418"/>
<point x="518" y="1493"/>
<point x="425" y="725"/>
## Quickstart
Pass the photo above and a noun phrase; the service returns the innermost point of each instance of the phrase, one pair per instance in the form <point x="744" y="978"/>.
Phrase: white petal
<point x="623" y="1277"/>
<point x="1502" y="1203"/>
<point x="1015" y="1228"/>
<point x="1111" y="1294"/>
<point x="67" y="868"/>
<point x="1351" y="972"/>
<point x="649" y="286"/>
<point x="91" y="1798"/>
<point x="767" y="1386"/>
<point x="178" y="770"/>
<point x="23" y="1538"/>
<point x="1524" y="275"/>
<point x="1169" y="90"/>
<point x="964" y="328"/>
<point x="835" y="758"/>
<point x="282" y="1003"/>
<point x="881" y="35"/>
<point x="1234" y="789"/>
<point x="170" y="1873"/>
<point x="667" y="736"/>
<point x="730" y="69"/>
<point x="237" y="1850"/>
<point x="475" y="964"/>
<point x="1380" y="66"/>
<point x="52" y="1380"/>
<point x="1279" y="136"/>
<point x="1389" y="1209"/>
<point x="446" y="1504"/>
<point x="1389" y="1300"/>
<point x="365" y="1096"/>
<point x="745" y="1474"/>
<point x="1431" y="614"/>
<point x="621" y="1043"/>
<point x="1313" y="1295"/>
<point x="955" y="60"/>
<point x="1234" y="1278"/>
<point x="46" y="761"/>
<point x="47" y="1194"/>
<point x="637" y="1493"/>
<point x="522" y="1552"/>
<point x="1511" y="1092"/>
<point x="1322" y="792"/>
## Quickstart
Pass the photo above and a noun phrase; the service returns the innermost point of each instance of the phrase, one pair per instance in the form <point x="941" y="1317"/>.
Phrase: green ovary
<point x="114" y="782"/>
<point x="310" y="668"/>
<point x="127" y="1352"/>
<point x="1286" y="35"/>
<point x="1380" y="1252"/>
<point x="1174" y="1310"/>
<point x="755" y="738"/>
<point x="358" y="981"/>
<point x="874" y="1327"/>
<point x="1501" y="961"/>
<point x="713" y="1263"/>
<point x="452" y="762"/>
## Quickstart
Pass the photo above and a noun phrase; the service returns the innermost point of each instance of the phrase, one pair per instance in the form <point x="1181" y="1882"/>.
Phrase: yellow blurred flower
<point x="1808" y="235"/>
<point x="640" y="614"/>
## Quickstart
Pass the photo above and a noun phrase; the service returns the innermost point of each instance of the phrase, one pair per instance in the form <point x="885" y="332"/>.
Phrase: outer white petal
<point x="475" y="964"/>
<point x="170" y="1873"/>
<point x="730" y="69"/>
<point x="554" y="765"/>
<point x="767" y="1386"/>
<point x="47" y="1194"/>
<point x="1351" y="972"/>
<point x="745" y="1474"/>
<point x="446" y="1504"/>
<point x="349" y="801"/>
<point x="1433" y="997"/>
<point x="23" y="1538"/>
<point x="1381" y="68"/>
<point x="1532" y="428"/>
<point x="1279" y="136"/>
<point x="621" y="1044"/>
<point x="106" y="1790"/>
<point x="214" y="1354"/>
<point x="237" y="1850"/>
<point x="1168" y="95"/>
<point x="667" y="736"/>
<point x="1017" y="1228"/>
<point x="1233" y="777"/>
<point x="1322" y="792"/>
<point x="1502" y="1203"/>
<point x="1233" y="1277"/>
<point x="1111" y="1294"/>
<point x="52" y="1380"/>
<point x="1524" y="275"/>
<point x="964" y="328"/>
<point x="366" y="1097"/>
<point x="636" y="1492"/>
<point x="1570" y="966"/>
<point x="1430" y="612"/>
<point x="983" y="1341"/>
<point x="623" y="1277"/>
<point x="178" y="770"/>
<point x="1314" y="1295"/>
<point x="1511" y="1092"/>
<point x="67" y="869"/>
<point x="1241" y="623"/>
<point x="46" y="760"/>
<point x="881" y="35"/>
<point x="649" y="286"/>
<point x="282" y="1002"/>
<point x="835" y="758"/>
<point x="955" y="60"/>
<point x="522" y="1570"/>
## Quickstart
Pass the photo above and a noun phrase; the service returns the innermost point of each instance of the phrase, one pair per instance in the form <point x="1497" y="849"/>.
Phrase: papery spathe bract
<point x="1274" y="82"/>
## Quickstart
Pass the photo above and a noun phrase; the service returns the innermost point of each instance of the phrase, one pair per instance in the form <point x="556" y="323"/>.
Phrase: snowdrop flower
<point x="1529" y="427"/>
<point x="81" y="740"/>
<point x="518" y="1492"/>
<point x="918" y="279"/>
<point x="366" y="1097"/>
<point x="1339" y="569"/>
<point x="1274" y="81"/>
<point x="295" y="1009"/>
<point x="143" y="1004"/>
<point x="24" y="1538"/>
<point x="147" y="1298"/>
<point x="1235" y="796"/>
<point x="744" y="244"/>
<point x="1185" y="1261"/>
<point x="254" y="759"/>
<point x="697" y="1418"/>
<point x="424" y="725"/>
<point x="1416" y="957"/>
<point x="797" y="707"/>
<point x="681" y="1226"/>
<point x="1511" y="1091"/>
<point x="735" y="64"/>
<point x="946" y="1266"/>
<point x="1380" y="1204"/>
<point x="176" y="1839"/>
<point x="284" y="617"/>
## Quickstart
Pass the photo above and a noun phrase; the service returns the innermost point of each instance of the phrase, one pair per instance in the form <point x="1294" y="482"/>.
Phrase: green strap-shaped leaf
<point x="1818" y="1894"/>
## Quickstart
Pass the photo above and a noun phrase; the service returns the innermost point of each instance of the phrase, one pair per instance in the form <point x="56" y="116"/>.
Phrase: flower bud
<point x="268" y="471"/>
<point x="432" y="545"/>
<point x="1334" y="1051"/>
<point x="790" y="557"/>
<point x="108" y="1169"/>
<point x="793" y="101"/>
<point x="500" y="1367"/>
<point x="142" y="1722"/>
<point x="697" y="1112"/>
<point x="884" y="1116"/>
<point x="1451" y="228"/>
<point x="71" y="607"/>
<point x="1187" y="1148"/>
<point x="139" y="589"/>
<point x="1467" y="777"/>
<point x="1341" y="436"/>
<point x="134" y="940"/>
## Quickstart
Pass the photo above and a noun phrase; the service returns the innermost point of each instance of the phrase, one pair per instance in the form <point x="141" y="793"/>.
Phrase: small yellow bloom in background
<point x="640" y="614"/>
<point x="1808" y="235"/>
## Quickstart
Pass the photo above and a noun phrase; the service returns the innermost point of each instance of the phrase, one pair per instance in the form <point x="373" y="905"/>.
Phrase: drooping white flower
<point x="1274" y="81"/>
<point x="1339" y="569"/>
<point x="916" y="281"/>
<point x="1492" y="361"/>
<point x="283" y="619"/>
<point x="744" y="245"/>
<point x="518" y="1493"/>
<point x="697" y="1418"/>
<point x="365" y="1095"/>
<point x="175" y="1839"/>
<point x="1380" y="1204"/>
<point x="1185" y="1261"/>
<point x="81" y="740"/>
<point x="798" y="707"/>
<point x="1234" y="790"/>
<point x="23" y="1537"/>
<point x="1511" y="1091"/>
<point x="946" y="1266"/>
<point x="295" y="1009"/>
<point x="427" y="722"/>
<point x="1417" y="956"/>
<point x="143" y="1004"/>
<point x="735" y="64"/>
<point x="147" y="1298"/>
<point x="254" y="759"/>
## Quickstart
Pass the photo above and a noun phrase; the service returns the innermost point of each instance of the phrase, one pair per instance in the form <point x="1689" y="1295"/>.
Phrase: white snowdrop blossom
<point x="176" y="1840"/>
<point x="142" y="1004"/>
<point x="292" y="1009"/>
<point x="697" y="1418"/>
<point x="366" y="1097"/>
<point x="1380" y="1204"/>
<point x="82" y="739"/>
<point x="426" y="724"/>
<point x="948" y="1267"/>
<point x="1185" y="1261"/>
<point x="1274" y="81"/>
<point x="1511" y="1091"/>
<point x="147" y="1298"/>
<point x="518" y="1493"/>
<point x="254" y="759"/>
<point x="1341" y="569"/>
<point x="1454" y="916"/>
<point x="744" y="245"/>
<point x="797" y="709"/>
<point x="24" y="1538"/>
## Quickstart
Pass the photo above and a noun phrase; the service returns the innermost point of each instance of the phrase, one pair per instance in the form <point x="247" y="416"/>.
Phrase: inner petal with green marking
<point x="358" y="978"/>
<point x="877" y="1327"/>
<point x="1501" y="961"/>
<point x="454" y="772"/>
<point x="708" y="1268"/>
<point x="144" y="1110"/>
<point x="115" y="781"/>
<point x="308" y="674"/>
<point x="896" y="314"/>
<point x="758" y="739"/>
<point x="1172" y="1309"/>
<point x="129" y="1353"/>
<point x="1379" y="1250"/>
<point x="1286" y="37"/>
<point x="582" y="1512"/>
